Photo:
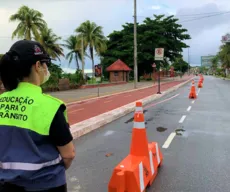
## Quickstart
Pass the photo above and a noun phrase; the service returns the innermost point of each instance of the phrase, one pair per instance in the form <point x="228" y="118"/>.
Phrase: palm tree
<point x="224" y="56"/>
<point x="30" y="22"/>
<point x="49" y="41"/>
<point x="93" y="38"/>
<point x="72" y="44"/>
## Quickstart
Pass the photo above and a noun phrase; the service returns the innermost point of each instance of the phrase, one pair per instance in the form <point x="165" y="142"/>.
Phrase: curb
<point x="101" y="85"/>
<point x="86" y="126"/>
<point x="116" y="93"/>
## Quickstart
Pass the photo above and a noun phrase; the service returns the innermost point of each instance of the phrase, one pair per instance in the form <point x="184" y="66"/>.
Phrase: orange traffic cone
<point x="139" y="108"/>
<point x="200" y="84"/>
<point x="192" y="94"/>
<point x="139" y="168"/>
<point x="201" y="78"/>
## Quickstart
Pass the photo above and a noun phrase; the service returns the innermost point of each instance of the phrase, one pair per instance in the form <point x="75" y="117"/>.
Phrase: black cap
<point x="30" y="51"/>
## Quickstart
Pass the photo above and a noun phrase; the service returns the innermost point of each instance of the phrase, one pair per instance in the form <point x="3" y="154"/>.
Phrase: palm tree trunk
<point x="28" y="35"/>
<point x="77" y="65"/>
<point x="77" y="62"/>
<point x="92" y="58"/>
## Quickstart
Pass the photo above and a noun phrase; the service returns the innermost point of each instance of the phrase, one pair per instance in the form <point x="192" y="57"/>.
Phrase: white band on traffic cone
<point x="139" y="109"/>
<point x="139" y="125"/>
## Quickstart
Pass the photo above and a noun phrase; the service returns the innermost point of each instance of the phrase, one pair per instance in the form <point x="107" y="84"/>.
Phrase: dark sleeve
<point x="60" y="133"/>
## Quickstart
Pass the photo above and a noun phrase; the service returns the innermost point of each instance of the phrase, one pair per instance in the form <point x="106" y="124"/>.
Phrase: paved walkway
<point x="82" y="94"/>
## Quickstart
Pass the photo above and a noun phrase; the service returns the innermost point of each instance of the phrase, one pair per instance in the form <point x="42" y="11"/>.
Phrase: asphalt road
<point x="197" y="160"/>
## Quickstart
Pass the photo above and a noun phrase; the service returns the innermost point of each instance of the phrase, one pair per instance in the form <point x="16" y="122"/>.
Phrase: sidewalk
<point x="83" y="94"/>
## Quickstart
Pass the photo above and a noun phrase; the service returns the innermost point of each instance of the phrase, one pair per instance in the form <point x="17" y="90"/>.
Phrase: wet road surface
<point x="197" y="158"/>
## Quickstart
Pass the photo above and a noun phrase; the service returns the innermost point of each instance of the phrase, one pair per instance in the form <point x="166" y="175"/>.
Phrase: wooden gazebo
<point x="118" y="72"/>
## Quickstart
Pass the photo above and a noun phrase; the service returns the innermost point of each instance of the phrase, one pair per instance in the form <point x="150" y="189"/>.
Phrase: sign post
<point x="159" y="56"/>
<point x="154" y="70"/>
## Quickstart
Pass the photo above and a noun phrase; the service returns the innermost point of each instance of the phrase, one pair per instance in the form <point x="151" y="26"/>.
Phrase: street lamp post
<point x="135" y="44"/>
<point x="188" y="62"/>
<point x="82" y="56"/>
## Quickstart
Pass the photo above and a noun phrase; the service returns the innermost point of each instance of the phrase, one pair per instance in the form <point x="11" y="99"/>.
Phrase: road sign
<point x="159" y="54"/>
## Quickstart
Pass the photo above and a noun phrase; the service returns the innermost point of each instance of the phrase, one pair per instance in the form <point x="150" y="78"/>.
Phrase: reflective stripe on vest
<point x="29" y="166"/>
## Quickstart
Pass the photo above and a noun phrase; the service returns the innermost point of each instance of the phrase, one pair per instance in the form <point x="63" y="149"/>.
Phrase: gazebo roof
<point x="118" y="66"/>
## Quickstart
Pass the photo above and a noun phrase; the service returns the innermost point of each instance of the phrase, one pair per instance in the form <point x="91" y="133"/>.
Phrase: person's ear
<point x="38" y="66"/>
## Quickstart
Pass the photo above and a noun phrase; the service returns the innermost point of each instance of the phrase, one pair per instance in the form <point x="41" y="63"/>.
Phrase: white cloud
<point x="155" y="7"/>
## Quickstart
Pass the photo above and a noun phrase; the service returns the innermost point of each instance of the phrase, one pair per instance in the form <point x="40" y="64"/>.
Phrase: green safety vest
<point x="26" y="115"/>
<point x="18" y="108"/>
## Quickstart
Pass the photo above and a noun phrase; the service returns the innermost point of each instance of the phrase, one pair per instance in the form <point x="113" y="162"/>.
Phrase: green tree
<point x="224" y="56"/>
<point x="159" y="31"/>
<point x="30" y="23"/>
<point x="56" y="69"/>
<point x="94" y="39"/>
<point x="73" y="44"/>
<point x="215" y="61"/>
<point x="180" y="65"/>
<point x="1" y="56"/>
<point x="203" y="69"/>
<point x="50" y="42"/>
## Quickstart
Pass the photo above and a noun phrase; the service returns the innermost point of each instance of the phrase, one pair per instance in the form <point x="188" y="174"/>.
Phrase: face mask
<point x="46" y="77"/>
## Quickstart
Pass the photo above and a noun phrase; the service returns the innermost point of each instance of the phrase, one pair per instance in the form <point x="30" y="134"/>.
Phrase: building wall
<point x="118" y="76"/>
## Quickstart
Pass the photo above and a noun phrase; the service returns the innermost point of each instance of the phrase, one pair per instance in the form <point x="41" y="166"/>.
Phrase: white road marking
<point x="169" y="140"/>
<point x="182" y="119"/>
<point x="108" y="133"/>
<point x="189" y="108"/>
<point x="193" y="101"/>
<point x="152" y="105"/>
<point x="198" y="91"/>
<point x="127" y="95"/>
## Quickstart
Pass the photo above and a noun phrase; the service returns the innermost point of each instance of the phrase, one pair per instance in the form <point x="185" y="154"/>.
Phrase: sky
<point x="206" y="20"/>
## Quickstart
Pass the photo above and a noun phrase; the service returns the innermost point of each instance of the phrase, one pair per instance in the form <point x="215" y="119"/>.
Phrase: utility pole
<point x="135" y="45"/>
<point x="82" y="56"/>
<point x="188" y="62"/>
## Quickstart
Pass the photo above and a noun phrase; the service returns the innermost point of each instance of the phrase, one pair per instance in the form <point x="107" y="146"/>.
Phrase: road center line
<point x="189" y="108"/>
<point x="193" y="102"/>
<point x="182" y="119"/>
<point x="127" y="95"/>
<point x="169" y="140"/>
